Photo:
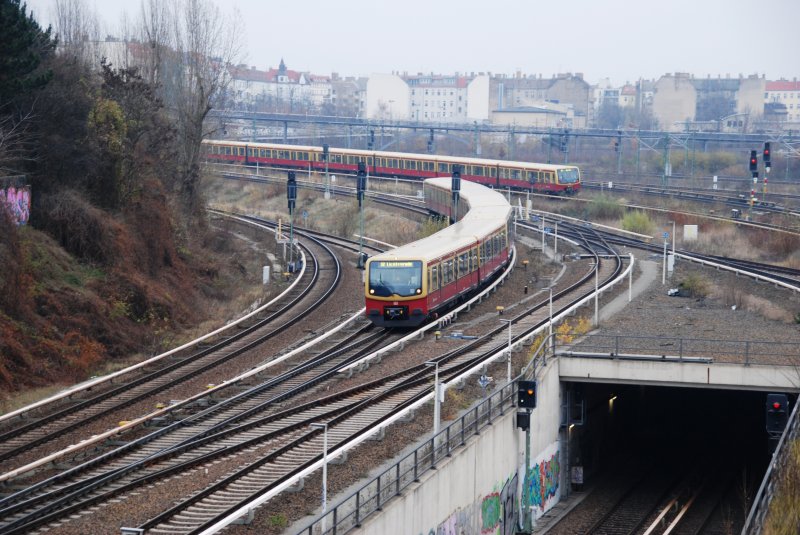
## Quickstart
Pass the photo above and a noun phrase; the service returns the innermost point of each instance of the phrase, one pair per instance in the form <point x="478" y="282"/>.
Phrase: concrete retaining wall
<point x="480" y="488"/>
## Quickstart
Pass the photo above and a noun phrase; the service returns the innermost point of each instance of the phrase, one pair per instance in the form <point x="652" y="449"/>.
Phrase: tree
<point x="190" y="56"/>
<point x="77" y="29"/>
<point x="22" y="48"/>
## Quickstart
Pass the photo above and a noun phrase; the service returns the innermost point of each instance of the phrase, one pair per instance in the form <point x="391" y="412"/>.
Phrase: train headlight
<point x="419" y="290"/>
<point x="371" y="291"/>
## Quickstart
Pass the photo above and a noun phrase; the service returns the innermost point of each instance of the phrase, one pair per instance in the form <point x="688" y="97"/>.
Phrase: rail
<point x="754" y="524"/>
<point x="738" y="271"/>
<point x="350" y="512"/>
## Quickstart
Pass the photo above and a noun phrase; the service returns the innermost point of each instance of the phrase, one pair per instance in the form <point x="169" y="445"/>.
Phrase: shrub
<point x="604" y="207"/>
<point x="637" y="221"/>
<point x="278" y="520"/>
<point x="432" y="225"/>
<point x="696" y="285"/>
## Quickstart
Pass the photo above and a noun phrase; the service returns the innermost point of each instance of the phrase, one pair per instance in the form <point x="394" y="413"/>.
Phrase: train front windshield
<point x="398" y="278"/>
<point x="568" y="176"/>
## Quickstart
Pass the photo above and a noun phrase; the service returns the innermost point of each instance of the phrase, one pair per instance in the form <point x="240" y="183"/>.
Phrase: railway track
<point x="739" y="201"/>
<point x="233" y="430"/>
<point x="31" y="436"/>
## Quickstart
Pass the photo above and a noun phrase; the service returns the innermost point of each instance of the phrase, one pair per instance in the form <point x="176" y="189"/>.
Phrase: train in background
<point x="523" y="176"/>
<point x="413" y="283"/>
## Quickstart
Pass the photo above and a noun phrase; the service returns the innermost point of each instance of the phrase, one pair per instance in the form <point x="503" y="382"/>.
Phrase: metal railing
<point x="734" y="351"/>
<point x="760" y="510"/>
<point x="350" y="512"/>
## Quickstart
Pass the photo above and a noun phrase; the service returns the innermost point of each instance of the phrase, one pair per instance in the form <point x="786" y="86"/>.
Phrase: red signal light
<point x="776" y="405"/>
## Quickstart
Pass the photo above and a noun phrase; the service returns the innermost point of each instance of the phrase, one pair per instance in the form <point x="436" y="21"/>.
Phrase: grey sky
<point x="619" y="39"/>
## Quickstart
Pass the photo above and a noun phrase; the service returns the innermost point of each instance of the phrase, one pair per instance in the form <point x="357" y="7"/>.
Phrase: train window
<point x="442" y="167"/>
<point x="568" y="176"/>
<point x="515" y="174"/>
<point x="240" y="151"/>
<point x="463" y="265"/>
<point x="412" y="164"/>
<point x="493" y="171"/>
<point x="474" y="258"/>
<point x="433" y="278"/>
<point x="261" y="153"/>
<point x="227" y="151"/>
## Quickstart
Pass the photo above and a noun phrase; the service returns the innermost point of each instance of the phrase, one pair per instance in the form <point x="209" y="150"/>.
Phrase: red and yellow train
<point x="538" y="177"/>
<point x="408" y="285"/>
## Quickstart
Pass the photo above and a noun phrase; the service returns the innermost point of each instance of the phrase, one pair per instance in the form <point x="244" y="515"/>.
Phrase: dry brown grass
<point x="784" y="512"/>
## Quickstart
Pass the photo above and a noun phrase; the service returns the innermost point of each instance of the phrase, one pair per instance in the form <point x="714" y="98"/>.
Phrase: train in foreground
<point x="524" y="176"/>
<point x="413" y="283"/>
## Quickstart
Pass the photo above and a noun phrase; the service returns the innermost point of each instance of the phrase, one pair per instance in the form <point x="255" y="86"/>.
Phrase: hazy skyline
<point x="618" y="39"/>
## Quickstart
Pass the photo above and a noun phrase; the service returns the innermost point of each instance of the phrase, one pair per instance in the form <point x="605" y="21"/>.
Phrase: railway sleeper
<point x="159" y="421"/>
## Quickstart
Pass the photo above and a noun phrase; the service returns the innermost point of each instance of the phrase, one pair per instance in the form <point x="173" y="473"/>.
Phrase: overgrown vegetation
<point x="784" y="511"/>
<point x="106" y="267"/>
<point x="637" y="221"/>
<point x="603" y="207"/>
<point x="695" y="285"/>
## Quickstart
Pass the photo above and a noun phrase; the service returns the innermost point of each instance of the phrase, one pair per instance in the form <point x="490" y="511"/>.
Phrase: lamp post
<point x="361" y="186"/>
<point x="324" y="427"/>
<point x="508" y="375"/>
<point x="664" y="264"/>
<point x="552" y="340"/>
<point x="436" y="401"/>
<point x="596" y="294"/>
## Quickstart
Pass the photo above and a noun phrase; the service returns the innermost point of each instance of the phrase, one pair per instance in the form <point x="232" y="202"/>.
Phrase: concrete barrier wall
<point x="480" y="488"/>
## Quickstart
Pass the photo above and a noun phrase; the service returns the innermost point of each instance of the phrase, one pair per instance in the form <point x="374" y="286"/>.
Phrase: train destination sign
<point x="396" y="264"/>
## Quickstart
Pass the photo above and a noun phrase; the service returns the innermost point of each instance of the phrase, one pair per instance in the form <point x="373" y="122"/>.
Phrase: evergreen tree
<point x="23" y="46"/>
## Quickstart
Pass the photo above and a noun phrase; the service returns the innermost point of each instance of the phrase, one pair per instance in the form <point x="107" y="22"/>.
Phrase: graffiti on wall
<point x="541" y="486"/>
<point x="498" y="512"/>
<point x="17" y="200"/>
<point x="493" y="514"/>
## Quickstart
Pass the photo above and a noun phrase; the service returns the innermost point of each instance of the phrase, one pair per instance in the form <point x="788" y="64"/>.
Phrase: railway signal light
<point x="325" y="149"/>
<point x="291" y="190"/>
<point x="371" y="142"/>
<point x="777" y="413"/>
<point x="526" y="394"/>
<point x="456" y="185"/>
<point x="767" y="155"/>
<point x="753" y="161"/>
<point x="361" y="182"/>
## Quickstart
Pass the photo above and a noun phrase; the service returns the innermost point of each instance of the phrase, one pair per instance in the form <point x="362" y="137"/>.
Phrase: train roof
<point x="489" y="211"/>
<point x="407" y="155"/>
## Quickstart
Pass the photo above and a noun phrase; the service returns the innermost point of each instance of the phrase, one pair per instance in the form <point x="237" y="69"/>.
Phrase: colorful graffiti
<point x="498" y="513"/>
<point x="541" y="482"/>
<point x="456" y="524"/>
<point x="18" y="202"/>
<point x="491" y="513"/>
